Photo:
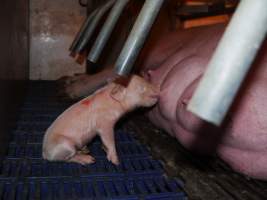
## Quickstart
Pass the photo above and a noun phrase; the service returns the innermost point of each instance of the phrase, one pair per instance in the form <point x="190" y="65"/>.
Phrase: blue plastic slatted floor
<point x="24" y="175"/>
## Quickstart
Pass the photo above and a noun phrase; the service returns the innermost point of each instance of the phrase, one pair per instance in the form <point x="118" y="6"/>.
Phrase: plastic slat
<point x="36" y="117"/>
<point x="27" y="137"/>
<point x="34" y="151"/>
<point x="116" y="188"/>
<point x="24" y="175"/>
<point x="102" y="168"/>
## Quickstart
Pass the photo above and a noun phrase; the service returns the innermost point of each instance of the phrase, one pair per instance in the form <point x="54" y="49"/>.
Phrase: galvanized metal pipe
<point x="137" y="36"/>
<point x="106" y="30"/>
<point x="230" y="62"/>
<point x="88" y="32"/>
<point x="82" y="30"/>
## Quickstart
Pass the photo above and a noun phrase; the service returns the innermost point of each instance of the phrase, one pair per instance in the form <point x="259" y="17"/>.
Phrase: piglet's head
<point x="138" y="93"/>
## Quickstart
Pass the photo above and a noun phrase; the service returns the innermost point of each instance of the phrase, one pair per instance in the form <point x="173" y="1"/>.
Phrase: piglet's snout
<point x="154" y="92"/>
<point x="154" y="95"/>
<point x="152" y="98"/>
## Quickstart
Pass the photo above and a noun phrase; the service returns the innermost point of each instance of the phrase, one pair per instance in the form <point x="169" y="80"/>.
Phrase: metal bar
<point x="230" y="62"/>
<point x="90" y="28"/>
<point x="107" y="30"/>
<point x="81" y="32"/>
<point x="137" y="36"/>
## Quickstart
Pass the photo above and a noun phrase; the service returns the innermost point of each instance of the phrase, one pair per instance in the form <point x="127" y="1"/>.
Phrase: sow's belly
<point x="176" y="65"/>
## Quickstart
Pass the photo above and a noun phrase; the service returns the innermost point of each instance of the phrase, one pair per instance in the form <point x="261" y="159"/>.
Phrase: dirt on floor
<point x="205" y="178"/>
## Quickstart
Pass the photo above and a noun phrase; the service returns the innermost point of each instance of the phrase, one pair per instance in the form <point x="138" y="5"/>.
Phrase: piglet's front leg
<point x="107" y="137"/>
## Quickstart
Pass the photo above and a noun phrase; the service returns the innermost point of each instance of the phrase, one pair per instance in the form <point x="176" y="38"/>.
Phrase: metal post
<point x="230" y="62"/>
<point x="82" y="30"/>
<point x="88" y="32"/>
<point x="137" y="36"/>
<point x="107" y="30"/>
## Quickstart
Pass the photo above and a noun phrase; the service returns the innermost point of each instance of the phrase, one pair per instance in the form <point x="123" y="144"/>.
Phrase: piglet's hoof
<point x="112" y="157"/>
<point x="82" y="159"/>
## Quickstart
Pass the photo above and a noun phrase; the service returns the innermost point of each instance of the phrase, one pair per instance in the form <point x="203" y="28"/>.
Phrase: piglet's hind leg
<point x="82" y="159"/>
<point x="59" y="148"/>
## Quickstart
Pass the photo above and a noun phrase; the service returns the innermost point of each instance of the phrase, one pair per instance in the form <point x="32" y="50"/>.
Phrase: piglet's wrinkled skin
<point x="95" y="115"/>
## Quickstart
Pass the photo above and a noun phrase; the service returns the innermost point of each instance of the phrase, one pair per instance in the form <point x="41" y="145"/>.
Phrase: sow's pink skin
<point x="242" y="140"/>
<point x="95" y="115"/>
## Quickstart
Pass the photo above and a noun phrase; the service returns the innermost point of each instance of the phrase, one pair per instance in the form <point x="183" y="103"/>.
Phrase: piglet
<point x="95" y="115"/>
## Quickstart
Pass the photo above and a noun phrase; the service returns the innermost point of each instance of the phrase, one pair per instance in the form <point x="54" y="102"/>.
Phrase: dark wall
<point x="14" y="61"/>
<point x="14" y="33"/>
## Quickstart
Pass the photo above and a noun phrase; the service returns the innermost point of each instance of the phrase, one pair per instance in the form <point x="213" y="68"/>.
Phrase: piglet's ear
<point x="118" y="92"/>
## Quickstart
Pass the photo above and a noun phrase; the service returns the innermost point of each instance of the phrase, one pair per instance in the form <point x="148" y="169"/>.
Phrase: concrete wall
<point x="14" y="62"/>
<point x="53" y="25"/>
<point x="14" y="49"/>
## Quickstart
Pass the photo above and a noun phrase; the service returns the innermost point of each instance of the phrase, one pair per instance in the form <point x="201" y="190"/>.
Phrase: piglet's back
<point x="71" y="122"/>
